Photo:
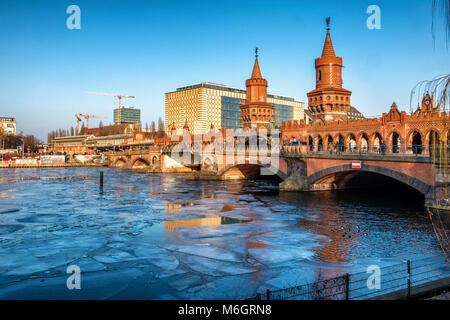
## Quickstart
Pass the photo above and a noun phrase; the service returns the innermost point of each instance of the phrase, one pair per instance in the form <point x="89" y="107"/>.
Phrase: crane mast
<point x="119" y="98"/>
<point x="78" y="116"/>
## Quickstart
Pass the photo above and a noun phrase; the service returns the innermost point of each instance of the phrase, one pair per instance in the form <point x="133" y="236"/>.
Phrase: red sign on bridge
<point x="356" y="164"/>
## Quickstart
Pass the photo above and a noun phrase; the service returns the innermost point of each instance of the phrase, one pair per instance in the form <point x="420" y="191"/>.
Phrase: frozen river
<point x="163" y="237"/>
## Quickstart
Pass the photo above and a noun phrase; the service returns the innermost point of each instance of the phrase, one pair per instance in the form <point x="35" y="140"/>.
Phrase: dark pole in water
<point x="101" y="178"/>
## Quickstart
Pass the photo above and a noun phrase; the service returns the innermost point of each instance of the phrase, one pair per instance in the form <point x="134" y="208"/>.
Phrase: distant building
<point x="69" y="145"/>
<point x="206" y="104"/>
<point x="354" y="114"/>
<point x="309" y="117"/>
<point x="111" y="130"/>
<point x="9" y="125"/>
<point x="130" y="115"/>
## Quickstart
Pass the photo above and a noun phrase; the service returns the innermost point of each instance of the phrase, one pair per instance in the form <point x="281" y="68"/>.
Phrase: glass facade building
<point x="231" y="112"/>
<point x="127" y="115"/>
<point x="282" y="113"/>
<point x="205" y="104"/>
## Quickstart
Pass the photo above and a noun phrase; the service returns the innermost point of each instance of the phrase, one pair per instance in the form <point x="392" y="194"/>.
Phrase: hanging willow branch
<point x="438" y="88"/>
<point x="441" y="9"/>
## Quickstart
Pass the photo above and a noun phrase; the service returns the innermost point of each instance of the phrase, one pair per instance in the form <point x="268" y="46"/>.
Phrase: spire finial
<point x="328" y="23"/>
<point x="256" y="52"/>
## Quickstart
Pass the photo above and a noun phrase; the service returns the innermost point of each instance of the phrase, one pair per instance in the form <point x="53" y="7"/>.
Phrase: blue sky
<point x="148" y="48"/>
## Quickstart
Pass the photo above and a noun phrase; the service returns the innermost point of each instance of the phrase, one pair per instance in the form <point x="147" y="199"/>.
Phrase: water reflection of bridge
<point x="201" y="222"/>
<point x="302" y="169"/>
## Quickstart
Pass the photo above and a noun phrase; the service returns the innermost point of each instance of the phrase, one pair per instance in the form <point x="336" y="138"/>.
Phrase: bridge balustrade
<point x="432" y="151"/>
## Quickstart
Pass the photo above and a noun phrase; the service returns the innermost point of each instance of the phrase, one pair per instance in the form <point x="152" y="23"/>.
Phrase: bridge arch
<point x="339" y="140"/>
<point x="376" y="140"/>
<point x="363" y="142"/>
<point x="346" y="172"/>
<point x="245" y="171"/>
<point x="329" y="142"/>
<point x="433" y="139"/>
<point x="311" y="143"/>
<point x="320" y="143"/>
<point x="415" y="140"/>
<point x="395" y="141"/>
<point x="120" y="162"/>
<point x="140" y="163"/>
<point x="351" y="142"/>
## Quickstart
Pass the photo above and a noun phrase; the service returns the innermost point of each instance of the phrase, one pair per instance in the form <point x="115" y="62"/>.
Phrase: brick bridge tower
<point x="329" y="101"/>
<point x="256" y="113"/>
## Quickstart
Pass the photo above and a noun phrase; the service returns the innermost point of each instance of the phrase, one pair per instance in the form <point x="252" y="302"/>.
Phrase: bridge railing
<point x="406" y="279"/>
<point x="435" y="151"/>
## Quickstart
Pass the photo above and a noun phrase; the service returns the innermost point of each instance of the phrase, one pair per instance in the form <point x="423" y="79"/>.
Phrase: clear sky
<point x="147" y="48"/>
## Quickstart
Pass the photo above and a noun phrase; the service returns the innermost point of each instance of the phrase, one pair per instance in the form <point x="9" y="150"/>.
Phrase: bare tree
<point x="160" y="125"/>
<point x="2" y="136"/>
<point x="153" y="126"/>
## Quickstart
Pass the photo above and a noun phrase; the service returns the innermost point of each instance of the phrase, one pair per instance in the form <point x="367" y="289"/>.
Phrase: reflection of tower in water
<point x="341" y="236"/>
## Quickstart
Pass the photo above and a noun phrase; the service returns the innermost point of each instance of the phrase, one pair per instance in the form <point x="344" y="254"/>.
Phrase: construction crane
<point x="87" y="116"/>
<point x="119" y="98"/>
<point x="78" y="116"/>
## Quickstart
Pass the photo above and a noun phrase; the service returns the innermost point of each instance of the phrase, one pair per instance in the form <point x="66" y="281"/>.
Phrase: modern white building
<point x="205" y="104"/>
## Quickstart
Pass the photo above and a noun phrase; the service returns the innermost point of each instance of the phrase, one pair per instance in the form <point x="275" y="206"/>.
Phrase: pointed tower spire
<point x="256" y="74"/>
<point x="256" y="112"/>
<point x="329" y="101"/>
<point x="328" y="50"/>
<point x="173" y="129"/>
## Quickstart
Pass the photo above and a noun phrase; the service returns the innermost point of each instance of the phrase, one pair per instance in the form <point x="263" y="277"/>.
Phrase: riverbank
<point x="49" y="165"/>
<point x="433" y="288"/>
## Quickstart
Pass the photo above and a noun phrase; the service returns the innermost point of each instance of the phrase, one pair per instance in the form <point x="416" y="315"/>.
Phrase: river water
<point x="160" y="236"/>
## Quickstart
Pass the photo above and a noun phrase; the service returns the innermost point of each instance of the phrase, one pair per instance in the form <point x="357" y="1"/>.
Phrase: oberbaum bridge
<point x="331" y="153"/>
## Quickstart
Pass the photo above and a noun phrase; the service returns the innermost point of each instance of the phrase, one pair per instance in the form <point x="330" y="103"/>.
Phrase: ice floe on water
<point x="163" y="237"/>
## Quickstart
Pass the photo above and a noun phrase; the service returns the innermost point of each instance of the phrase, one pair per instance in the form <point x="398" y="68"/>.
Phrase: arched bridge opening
<point x="251" y="172"/>
<point x="120" y="162"/>
<point x="140" y="163"/>
<point x="370" y="179"/>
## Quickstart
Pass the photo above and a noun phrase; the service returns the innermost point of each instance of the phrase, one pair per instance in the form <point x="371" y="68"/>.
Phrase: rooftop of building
<point x="127" y="107"/>
<point x="7" y="119"/>
<point x="113" y="136"/>
<point x="81" y="137"/>
<point x="352" y="113"/>
<point x="222" y="87"/>
<point x="354" y="110"/>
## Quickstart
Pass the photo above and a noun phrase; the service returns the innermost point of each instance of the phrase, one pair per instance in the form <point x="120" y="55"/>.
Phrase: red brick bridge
<point x="135" y="159"/>
<point x="311" y="171"/>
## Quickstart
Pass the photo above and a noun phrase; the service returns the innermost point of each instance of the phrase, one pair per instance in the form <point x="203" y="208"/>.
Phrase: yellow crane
<point x="119" y="98"/>
<point x="78" y="116"/>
